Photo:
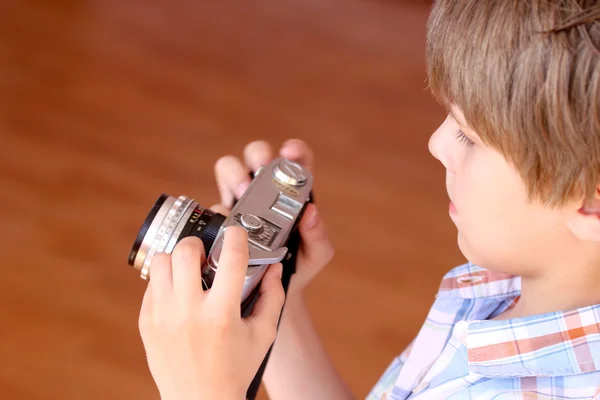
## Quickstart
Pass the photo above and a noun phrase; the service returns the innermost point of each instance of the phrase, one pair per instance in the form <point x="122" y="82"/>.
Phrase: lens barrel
<point x="170" y="220"/>
<point x="204" y="224"/>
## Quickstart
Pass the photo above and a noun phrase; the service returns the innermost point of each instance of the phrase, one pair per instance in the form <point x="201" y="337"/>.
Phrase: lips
<point x="452" y="208"/>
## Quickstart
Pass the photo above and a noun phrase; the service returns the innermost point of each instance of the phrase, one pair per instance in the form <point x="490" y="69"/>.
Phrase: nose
<point x="441" y="145"/>
<point x="434" y="144"/>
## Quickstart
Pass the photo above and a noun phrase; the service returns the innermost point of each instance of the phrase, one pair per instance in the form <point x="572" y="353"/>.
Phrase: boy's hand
<point x="197" y="344"/>
<point x="233" y="179"/>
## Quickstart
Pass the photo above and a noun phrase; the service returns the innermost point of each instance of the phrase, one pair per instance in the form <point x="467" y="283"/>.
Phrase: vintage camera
<point x="269" y="211"/>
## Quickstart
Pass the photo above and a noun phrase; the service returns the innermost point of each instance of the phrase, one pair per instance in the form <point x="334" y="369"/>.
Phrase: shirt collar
<point x="470" y="281"/>
<point x="551" y="344"/>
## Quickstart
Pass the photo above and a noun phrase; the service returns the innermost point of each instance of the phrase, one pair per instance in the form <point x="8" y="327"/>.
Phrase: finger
<point x="232" y="179"/>
<point x="265" y="315"/>
<point x="317" y="250"/>
<point x="161" y="278"/>
<point x="146" y="306"/>
<point x="145" y="318"/>
<point x="187" y="259"/>
<point x="297" y="150"/>
<point x="231" y="271"/>
<point x="256" y="154"/>
<point x="221" y="209"/>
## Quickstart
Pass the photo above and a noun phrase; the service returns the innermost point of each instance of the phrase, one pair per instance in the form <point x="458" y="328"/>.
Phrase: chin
<point x="462" y="246"/>
<point x="486" y="259"/>
<point x="467" y="251"/>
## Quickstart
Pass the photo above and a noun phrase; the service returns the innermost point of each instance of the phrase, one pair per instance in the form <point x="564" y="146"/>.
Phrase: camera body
<point x="269" y="211"/>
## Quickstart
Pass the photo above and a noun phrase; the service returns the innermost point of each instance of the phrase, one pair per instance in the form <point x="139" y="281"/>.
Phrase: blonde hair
<point x="526" y="75"/>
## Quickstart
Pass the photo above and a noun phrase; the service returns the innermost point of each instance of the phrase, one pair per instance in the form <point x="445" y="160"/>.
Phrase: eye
<point x="462" y="138"/>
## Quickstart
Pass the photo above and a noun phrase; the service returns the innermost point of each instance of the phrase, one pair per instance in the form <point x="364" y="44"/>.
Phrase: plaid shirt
<point x="460" y="353"/>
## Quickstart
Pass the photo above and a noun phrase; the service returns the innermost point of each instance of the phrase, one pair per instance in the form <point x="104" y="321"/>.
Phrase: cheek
<point x="476" y="196"/>
<point x="488" y="181"/>
<point x="490" y="210"/>
<point x="499" y="228"/>
<point x="476" y="188"/>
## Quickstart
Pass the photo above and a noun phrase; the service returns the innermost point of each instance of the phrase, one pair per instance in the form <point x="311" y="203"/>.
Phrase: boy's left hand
<point x="197" y="344"/>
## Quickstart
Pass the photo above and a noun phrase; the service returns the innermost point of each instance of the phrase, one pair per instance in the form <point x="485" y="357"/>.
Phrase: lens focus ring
<point x="164" y="233"/>
<point x="204" y="224"/>
<point x="169" y="221"/>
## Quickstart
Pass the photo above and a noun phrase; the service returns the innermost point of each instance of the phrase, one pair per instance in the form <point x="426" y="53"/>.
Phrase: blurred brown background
<point x="106" y="104"/>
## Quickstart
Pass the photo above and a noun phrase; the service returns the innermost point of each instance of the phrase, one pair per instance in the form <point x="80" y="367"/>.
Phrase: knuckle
<point x="328" y="254"/>
<point x="270" y="332"/>
<point x="156" y="320"/>
<point x="280" y="300"/>
<point x="278" y="295"/>
<point x="323" y="257"/>
<point x="144" y="322"/>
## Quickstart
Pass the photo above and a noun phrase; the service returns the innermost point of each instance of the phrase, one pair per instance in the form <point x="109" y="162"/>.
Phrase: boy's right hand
<point x="233" y="179"/>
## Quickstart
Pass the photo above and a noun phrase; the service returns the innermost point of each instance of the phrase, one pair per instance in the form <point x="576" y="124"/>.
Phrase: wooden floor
<point x="105" y="104"/>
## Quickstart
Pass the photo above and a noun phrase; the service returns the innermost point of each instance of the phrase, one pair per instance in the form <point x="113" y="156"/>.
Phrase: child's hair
<point x="526" y="75"/>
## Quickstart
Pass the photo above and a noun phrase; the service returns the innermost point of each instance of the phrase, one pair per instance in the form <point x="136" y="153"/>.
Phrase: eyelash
<point x="462" y="138"/>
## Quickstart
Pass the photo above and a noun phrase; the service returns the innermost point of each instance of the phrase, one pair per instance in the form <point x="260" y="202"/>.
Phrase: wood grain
<point x="106" y="104"/>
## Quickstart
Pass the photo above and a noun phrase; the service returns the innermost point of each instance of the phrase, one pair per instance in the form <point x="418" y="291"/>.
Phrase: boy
<point x="521" y="148"/>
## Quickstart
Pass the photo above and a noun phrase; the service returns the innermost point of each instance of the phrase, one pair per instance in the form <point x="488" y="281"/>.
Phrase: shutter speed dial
<point x="290" y="173"/>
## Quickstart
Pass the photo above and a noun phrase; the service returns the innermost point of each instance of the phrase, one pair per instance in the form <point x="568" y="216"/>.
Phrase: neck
<point x="568" y="286"/>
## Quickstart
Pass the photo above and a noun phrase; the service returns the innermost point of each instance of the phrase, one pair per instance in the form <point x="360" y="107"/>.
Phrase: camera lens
<point x="171" y="219"/>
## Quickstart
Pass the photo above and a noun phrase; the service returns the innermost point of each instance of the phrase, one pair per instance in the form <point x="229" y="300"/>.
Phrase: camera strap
<point x="289" y="268"/>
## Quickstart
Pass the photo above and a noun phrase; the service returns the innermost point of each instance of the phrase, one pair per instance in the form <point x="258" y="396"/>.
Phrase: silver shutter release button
<point x="290" y="173"/>
<point x="251" y="222"/>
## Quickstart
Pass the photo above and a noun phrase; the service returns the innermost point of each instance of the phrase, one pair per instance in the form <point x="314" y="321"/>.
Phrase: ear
<point x="585" y="224"/>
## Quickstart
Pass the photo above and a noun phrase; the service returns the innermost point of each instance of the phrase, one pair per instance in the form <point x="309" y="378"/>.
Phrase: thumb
<point x="265" y="315"/>
<point x="317" y="249"/>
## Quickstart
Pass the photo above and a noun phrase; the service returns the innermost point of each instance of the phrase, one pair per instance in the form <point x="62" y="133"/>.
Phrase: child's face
<point x="498" y="227"/>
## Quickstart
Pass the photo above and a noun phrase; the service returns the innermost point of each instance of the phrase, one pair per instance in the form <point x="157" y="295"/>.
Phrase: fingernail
<point x="241" y="189"/>
<point x="313" y="219"/>
<point x="280" y="270"/>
